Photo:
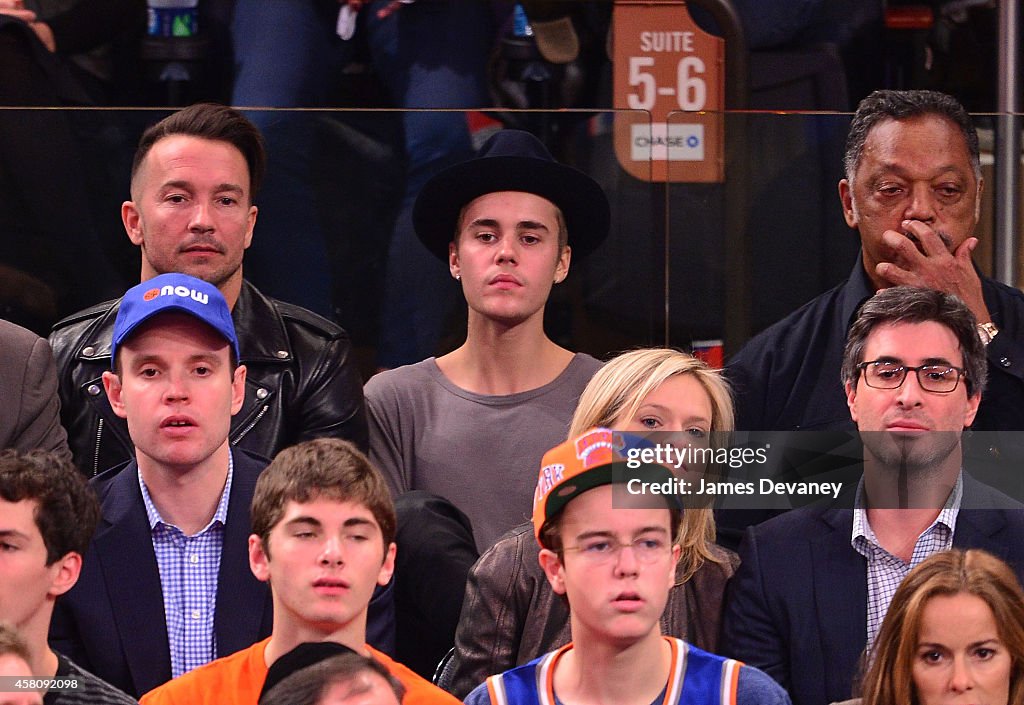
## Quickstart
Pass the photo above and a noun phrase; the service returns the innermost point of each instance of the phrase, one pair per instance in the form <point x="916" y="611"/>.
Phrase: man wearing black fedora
<point x="468" y="426"/>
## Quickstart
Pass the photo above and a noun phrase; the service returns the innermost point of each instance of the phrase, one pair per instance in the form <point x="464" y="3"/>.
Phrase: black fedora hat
<point x="512" y="160"/>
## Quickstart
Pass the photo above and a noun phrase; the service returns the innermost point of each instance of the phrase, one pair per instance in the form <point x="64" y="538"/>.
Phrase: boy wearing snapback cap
<point x="165" y="584"/>
<point x="612" y="553"/>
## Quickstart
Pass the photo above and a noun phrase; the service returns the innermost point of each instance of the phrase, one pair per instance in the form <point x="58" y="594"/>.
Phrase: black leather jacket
<point x="301" y="381"/>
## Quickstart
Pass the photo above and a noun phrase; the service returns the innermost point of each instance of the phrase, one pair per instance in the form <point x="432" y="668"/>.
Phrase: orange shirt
<point x="238" y="679"/>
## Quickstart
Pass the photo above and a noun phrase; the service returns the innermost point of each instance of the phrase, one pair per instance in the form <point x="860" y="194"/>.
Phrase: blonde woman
<point x="510" y="614"/>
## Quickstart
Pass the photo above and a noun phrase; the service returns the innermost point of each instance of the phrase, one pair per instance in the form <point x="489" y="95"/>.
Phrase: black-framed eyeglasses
<point x="886" y="374"/>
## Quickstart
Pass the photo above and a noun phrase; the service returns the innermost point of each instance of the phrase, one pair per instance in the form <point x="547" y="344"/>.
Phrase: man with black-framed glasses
<point x="939" y="378"/>
<point x="911" y="427"/>
<point x="814" y="584"/>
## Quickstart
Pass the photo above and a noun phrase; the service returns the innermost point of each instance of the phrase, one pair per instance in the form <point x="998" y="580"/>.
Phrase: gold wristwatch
<point x="987" y="331"/>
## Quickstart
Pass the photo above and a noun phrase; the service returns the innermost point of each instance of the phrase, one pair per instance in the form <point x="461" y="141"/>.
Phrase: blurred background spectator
<point x="59" y="224"/>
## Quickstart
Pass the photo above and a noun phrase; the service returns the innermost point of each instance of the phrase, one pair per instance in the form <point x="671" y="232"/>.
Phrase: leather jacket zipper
<point x="96" y="454"/>
<point x="241" y="434"/>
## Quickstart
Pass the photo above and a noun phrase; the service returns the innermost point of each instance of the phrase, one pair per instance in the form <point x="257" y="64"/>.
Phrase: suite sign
<point x="665" y="65"/>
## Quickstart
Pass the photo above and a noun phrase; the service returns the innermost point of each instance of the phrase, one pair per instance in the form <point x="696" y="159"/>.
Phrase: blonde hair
<point x="617" y="390"/>
<point x="889" y="680"/>
<point x="12" y="643"/>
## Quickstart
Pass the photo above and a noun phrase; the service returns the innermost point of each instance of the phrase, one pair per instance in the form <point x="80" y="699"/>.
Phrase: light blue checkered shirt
<point x="886" y="571"/>
<point x="188" y="578"/>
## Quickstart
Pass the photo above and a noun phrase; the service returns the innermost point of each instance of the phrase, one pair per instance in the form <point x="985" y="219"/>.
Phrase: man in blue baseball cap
<point x="166" y="585"/>
<point x="175" y="376"/>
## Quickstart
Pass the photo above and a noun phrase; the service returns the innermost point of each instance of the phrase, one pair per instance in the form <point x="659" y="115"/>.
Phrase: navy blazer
<point x="797" y="606"/>
<point x="112" y="621"/>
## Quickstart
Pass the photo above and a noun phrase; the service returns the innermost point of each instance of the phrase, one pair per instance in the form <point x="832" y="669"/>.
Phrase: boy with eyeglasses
<point x="612" y="554"/>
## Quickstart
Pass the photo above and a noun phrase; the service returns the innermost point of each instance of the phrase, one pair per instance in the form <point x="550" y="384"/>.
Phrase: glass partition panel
<point x="334" y="195"/>
<point x="684" y="261"/>
<point x="746" y="251"/>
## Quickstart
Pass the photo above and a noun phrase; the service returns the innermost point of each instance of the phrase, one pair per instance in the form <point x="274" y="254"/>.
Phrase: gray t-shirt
<point x="481" y="452"/>
<point x="88" y="690"/>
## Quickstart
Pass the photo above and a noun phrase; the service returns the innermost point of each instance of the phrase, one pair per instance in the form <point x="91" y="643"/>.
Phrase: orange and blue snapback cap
<point x="597" y="457"/>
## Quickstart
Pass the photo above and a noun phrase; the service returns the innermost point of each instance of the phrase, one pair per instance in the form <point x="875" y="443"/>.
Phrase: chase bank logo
<point x="661" y="141"/>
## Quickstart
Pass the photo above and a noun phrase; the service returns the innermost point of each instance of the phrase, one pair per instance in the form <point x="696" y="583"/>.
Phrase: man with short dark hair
<point x="47" y="515"/>
<point x="913" y="192"/>
<point x="194" y="179"/>
<point x="166" y="585"/>
<point x="814" y="583"/>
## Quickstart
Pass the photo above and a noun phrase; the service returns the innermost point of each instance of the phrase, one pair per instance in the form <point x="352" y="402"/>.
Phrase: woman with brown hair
<point x="954" y="633"/>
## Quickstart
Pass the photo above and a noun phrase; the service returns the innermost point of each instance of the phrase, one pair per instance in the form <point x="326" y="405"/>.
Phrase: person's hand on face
<point x="922" y="258"/>
<point x="915" y="200"/>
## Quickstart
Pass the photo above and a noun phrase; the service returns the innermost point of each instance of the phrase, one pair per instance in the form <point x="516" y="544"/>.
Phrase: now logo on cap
<point x="173" y="292"/>
<point x="182" y="291"/>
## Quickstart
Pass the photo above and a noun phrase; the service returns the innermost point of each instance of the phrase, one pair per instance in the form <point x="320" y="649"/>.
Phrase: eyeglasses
<point x="603" y="550"/>
<point x="883" y="374"/>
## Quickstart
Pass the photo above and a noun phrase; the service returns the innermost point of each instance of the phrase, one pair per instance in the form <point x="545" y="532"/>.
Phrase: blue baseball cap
<point x="173" y="292"/>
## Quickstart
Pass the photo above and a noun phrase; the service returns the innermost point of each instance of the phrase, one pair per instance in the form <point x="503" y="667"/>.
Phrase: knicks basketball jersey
<point x="696" y="677"/>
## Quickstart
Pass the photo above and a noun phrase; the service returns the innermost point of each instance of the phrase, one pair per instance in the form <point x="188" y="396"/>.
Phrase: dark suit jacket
<point x="112" y="621"/>
<point x="29" y="408"/>
<point x="797" y="606"/>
